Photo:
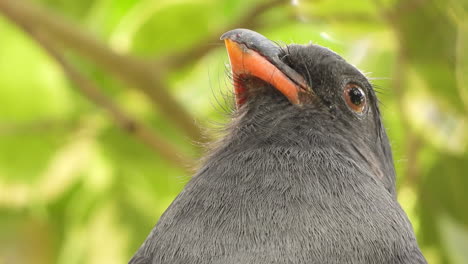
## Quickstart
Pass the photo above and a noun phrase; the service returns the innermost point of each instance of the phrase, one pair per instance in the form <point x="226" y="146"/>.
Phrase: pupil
<point x="356" y="96"/>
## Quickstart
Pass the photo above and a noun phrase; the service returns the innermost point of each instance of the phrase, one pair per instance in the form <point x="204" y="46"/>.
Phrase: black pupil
<point x="356" y="95"/>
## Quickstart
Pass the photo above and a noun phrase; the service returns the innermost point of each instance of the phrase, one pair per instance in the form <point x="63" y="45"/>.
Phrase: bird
<point x="303" y="174"/>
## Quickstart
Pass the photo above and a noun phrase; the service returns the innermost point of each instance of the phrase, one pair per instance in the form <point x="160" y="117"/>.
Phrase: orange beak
<point x="246" y="62"/>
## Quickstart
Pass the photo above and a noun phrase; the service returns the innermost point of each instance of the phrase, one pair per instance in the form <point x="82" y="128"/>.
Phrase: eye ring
<point x="355" y="98"/>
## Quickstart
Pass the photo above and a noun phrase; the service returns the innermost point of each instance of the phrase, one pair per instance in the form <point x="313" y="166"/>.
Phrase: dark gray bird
<point x="304" y="175"/>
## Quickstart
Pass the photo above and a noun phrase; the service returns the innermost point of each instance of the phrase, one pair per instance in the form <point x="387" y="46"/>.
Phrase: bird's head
<point x="306" y="96"/>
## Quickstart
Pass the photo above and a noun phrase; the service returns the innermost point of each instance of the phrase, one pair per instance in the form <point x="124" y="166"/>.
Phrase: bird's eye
<point x="355" y="98"/>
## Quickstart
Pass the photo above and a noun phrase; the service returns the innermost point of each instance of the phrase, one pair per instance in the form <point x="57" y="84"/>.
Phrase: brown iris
<point x="355" y="97"/>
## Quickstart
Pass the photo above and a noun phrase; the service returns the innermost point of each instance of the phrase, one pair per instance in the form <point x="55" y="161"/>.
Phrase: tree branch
<point x="249" y="20"/>
<point x="35" y="126"/>
<point x="128" y="69"/>
<point x="92" y="92"/>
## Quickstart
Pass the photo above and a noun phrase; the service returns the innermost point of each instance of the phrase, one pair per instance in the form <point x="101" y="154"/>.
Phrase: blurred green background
<point x="105" y="105"/>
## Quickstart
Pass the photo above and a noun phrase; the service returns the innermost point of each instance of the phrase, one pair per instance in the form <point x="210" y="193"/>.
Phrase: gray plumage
<point x="292" y="184"/>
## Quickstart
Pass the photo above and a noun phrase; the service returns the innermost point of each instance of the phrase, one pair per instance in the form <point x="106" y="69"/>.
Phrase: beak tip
<point x="232" y="34"/>
<point x="240" y="34"/>
<point x="224" y="36"/>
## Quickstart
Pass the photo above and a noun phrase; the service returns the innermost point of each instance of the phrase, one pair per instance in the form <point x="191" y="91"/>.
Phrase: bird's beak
<point x="253" y="55"/>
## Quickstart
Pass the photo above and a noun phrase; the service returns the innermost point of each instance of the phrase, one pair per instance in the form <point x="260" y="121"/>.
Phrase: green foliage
<point x="77" y="188"/>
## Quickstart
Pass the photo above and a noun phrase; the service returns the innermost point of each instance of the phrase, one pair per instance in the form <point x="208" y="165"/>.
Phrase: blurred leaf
<point x="455" y="237"/>
<point x="433" y="55"/>
<point x="442" y="193"/>
<point x="29" y="75"/>
<point x="462" y="59"/>
<point x="161" y="30"/>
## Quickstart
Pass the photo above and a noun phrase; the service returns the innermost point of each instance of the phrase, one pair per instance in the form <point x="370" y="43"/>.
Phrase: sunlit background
<point x="105" y="106"/>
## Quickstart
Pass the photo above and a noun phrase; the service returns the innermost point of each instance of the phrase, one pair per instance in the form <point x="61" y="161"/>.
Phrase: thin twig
<point x="36" y="126"/>
<point x="250" y="20"/>
<point x="92" y="92"/>
<point x="134" y="72"/>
